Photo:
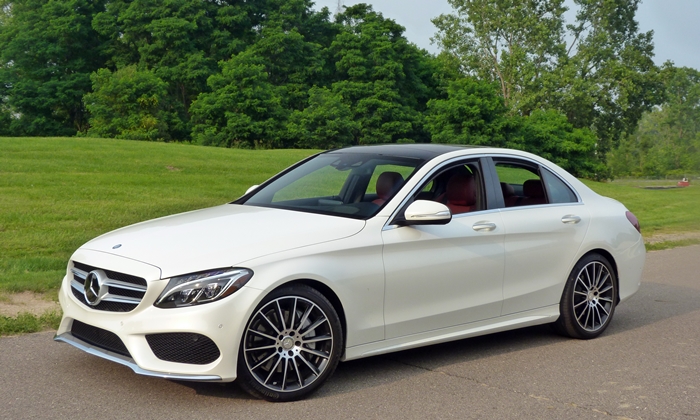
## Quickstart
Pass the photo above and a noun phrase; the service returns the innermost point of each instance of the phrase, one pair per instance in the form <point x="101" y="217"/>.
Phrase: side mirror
<point x="423" y="212"/>
<point x="251" y="189"/>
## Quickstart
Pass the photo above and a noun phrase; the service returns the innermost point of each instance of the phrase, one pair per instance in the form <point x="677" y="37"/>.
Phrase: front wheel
<point x="589" y="299"/>
<point x="291" y="345"/>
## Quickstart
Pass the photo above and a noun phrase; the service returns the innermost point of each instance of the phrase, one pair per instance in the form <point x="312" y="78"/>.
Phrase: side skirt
<point x="538" y="316"/>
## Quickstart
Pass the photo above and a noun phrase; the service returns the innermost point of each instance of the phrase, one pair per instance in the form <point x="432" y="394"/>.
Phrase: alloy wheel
<point x="288" y="344"/>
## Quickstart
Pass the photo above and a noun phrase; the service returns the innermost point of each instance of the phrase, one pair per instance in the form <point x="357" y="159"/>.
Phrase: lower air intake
<point x="98" y="337"/>
<point x="194" y="349"/>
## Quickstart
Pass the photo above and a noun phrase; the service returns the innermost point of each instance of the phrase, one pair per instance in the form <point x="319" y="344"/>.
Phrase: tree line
<point x="280" y="74"/>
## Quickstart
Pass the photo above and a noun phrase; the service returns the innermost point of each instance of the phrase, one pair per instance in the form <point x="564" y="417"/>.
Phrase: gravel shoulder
<point x="12" y="304"/>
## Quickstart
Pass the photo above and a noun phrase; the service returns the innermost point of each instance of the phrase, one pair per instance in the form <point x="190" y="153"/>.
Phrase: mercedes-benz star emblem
<point x="94" y="287"/>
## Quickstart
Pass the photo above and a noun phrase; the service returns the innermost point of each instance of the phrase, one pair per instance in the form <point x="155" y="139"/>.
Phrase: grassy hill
<point x="57" y="193"/>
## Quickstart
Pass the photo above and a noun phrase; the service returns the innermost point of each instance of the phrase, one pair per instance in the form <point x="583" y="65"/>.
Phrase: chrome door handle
<point x="570" y="219"/>
<point x="484" y="226"/>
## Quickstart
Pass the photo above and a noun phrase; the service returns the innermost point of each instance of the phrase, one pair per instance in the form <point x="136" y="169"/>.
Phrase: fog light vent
<point x="194" y="349"/>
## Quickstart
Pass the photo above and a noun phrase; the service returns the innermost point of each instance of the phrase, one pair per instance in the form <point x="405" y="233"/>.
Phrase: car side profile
<point x="353" y="253"/>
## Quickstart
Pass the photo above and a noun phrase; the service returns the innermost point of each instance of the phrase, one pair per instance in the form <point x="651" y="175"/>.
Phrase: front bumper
<point x="222" y="322"/>
<point x="129" y="362"/>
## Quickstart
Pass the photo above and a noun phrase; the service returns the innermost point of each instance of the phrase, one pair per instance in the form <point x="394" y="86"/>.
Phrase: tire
<point x="291" y="345"/>
<point x="589" y="299"/>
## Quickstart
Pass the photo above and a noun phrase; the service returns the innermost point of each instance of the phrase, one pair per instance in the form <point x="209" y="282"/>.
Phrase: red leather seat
<point x="534" y="193"/>
<point x="461" y="193"/>
<point x="387" y="184"/>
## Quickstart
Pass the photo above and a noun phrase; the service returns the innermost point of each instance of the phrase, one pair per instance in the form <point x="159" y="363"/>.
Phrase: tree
<point x="243" y="108"/>
<point x="47" y="51"/>
<point x="259" y="88"/>
<point x="326" y="123"/>
<point x="128" y="104"/>
<point x="5" y="122"/>
<point x="610" y="73"/>
<point x="472" y="113"/>
<point x="667" y="140"/>
<point x="515" y="43"/>
<point x="549" y="134"/>
<point x="604" y="79"/>
<point x="386" y="81"/>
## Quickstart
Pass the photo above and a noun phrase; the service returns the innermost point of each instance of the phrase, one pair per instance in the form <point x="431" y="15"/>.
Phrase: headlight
<point x="203" y="287"/>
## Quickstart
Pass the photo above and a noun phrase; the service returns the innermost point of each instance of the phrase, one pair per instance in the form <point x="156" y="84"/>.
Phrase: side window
<point x="558" y="191"/>
<point x="521" y="184"/>
<point x="459" y="187"/>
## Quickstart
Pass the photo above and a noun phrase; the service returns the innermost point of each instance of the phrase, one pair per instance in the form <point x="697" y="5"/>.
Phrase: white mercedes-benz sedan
<point x="348" y="254"/>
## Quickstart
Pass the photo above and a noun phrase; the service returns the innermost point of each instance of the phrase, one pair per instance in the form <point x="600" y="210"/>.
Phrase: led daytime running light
<point x="199" y="288"/>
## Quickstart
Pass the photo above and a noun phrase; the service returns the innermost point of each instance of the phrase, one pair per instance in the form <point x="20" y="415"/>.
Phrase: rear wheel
<point x="588" y="303"/>
<point x="291" y="345"/>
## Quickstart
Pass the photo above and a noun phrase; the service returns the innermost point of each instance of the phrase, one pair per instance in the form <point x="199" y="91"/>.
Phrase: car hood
<point x="223" y="236"/>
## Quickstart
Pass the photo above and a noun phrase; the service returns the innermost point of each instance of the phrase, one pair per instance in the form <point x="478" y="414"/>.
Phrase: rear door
<point x="545" y="223"/>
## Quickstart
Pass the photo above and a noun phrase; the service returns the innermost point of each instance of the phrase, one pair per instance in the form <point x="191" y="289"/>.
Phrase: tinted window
<point x="521" y="184"/>
<point x="557" y="190"/>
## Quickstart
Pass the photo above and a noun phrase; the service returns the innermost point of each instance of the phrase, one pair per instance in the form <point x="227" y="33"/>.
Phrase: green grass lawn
<point x="57" y="193"/>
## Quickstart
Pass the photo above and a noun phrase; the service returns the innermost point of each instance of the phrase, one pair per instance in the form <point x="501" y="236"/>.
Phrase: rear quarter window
<point x="557" y="190"/>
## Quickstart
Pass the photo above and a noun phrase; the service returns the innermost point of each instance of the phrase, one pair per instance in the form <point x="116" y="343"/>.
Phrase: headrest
<point x="508" y="190"/>
<point x="388" y="183"/>
<point x="461" y="190"/>
<point x="533" y="188"/>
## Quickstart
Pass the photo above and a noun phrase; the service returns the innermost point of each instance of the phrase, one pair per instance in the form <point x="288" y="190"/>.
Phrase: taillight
<point x="633" y="219"/>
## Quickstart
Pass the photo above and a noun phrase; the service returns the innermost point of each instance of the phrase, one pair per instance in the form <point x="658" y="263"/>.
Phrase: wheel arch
<point x="330" y="295"/>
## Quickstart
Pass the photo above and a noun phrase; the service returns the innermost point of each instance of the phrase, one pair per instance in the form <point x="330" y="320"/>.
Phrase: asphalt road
<point x="645" y="366"/>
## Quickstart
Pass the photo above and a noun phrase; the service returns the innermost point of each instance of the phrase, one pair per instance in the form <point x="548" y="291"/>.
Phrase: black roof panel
<point x="425" y="151"/>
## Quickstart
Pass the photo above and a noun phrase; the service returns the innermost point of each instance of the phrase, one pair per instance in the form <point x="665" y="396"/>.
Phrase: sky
<point x="675" y="24"/>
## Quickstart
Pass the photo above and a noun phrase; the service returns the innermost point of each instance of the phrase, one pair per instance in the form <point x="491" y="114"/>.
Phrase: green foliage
<point x="472" y="113"/>
<point x="667" y="141"/>
<point x="386" y="81"/>
<point x="611" y="70"/>
<point x="180" y="40"/>
<point x="243" y="110"/>
<point x="5" y="122"/>
<point x="604" y="80"/>
<point x="276" y="73"/>
<point x="550" y="135"/>
<point x="512" y="42"/>
<point x="128" y="104"/>
<point x="47" y="51"/>
<point x="279" y="92"/>
<point x="326" y="123"/>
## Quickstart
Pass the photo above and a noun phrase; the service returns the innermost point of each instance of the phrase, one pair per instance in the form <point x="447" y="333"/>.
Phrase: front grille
<point x="119" y="292"/>
<point x="195" y="349"/>
<point x="98" y="337"/>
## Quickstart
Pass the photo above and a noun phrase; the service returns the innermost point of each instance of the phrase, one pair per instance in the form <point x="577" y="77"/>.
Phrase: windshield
<point x="340" y="184"/>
